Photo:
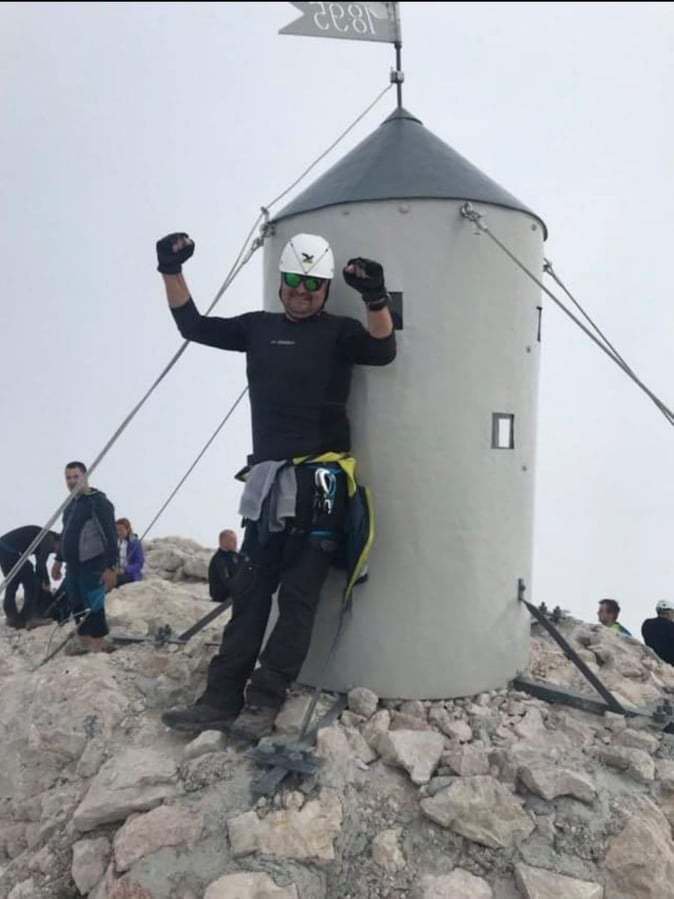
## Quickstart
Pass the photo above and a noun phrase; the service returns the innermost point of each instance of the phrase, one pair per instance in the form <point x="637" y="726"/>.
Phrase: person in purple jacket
<point x="131" y="556"/>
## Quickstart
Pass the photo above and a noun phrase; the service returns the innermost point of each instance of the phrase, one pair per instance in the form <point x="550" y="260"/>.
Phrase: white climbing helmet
<point x="308" y="254"/>
<point x="665" y="605"/>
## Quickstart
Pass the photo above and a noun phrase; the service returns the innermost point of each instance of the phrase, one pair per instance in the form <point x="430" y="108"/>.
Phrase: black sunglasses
<point x="292" y="279"/>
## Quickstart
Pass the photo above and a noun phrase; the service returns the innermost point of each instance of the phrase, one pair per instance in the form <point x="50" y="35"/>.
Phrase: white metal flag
<point x="350" y="21"/>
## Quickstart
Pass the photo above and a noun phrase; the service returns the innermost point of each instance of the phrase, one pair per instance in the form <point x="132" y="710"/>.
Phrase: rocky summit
<point x="494" y="796"/>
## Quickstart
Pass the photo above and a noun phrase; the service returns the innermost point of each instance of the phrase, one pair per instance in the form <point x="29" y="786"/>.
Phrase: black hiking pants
<point x="26" y="578"/>
<point x="295" y="563"/>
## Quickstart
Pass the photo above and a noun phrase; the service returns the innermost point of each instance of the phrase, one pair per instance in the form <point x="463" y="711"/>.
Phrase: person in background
<point x="33" y="580"/>
<point x="658" y="633"/>
<point x="131" y="555"/>
<point x="222" y="567"/>
<point x="607" y="613"/>
<point x="89" y="549"/>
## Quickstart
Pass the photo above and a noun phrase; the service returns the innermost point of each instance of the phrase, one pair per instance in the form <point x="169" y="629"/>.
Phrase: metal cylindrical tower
<point x="445" y="436"/>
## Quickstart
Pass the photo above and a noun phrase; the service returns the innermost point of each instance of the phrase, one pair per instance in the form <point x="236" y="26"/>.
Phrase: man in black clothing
<point x="222" y="567"/>
<point x="33" y="580"/>
<point x="658" y="633"/>
<point x="89" y="549"/>
<point x="299" y="365"/>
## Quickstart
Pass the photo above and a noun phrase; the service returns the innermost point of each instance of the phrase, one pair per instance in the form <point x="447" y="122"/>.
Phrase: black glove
<point x="170" y="262"/>
<point x="371" y="287"/>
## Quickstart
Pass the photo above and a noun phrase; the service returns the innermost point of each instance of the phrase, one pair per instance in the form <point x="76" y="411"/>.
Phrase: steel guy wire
<point x="241" y="260"/>
<point x="548" y="269"/>
<point x="195" y="463"/>
<point x="472" y="215"/>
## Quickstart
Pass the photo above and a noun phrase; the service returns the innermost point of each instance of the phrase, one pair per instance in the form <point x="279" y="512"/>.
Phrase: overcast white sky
<point x="121" y="122"/>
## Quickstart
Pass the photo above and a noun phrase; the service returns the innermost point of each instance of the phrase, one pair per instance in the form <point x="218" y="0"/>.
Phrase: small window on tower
<point x="502" y="431"/>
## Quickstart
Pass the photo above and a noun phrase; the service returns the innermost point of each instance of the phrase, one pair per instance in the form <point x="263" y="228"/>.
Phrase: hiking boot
<point x="255" y="722"/>
<point x="198" y="717"/>
<point x="16" y="623"/>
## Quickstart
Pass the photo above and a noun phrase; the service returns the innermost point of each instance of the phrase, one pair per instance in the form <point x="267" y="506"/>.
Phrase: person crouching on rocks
<point x="34" y="580"/>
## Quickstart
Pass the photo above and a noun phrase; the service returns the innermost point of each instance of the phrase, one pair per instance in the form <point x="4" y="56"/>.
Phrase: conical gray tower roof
<point x="402" y="160"/>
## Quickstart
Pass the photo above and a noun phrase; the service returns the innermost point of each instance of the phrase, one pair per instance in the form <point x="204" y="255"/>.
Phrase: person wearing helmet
<point x="658" y="633"/>
<point x="299" y="365"/>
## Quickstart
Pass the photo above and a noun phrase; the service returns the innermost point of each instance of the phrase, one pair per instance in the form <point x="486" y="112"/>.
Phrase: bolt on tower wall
<point x="445" y="436"/>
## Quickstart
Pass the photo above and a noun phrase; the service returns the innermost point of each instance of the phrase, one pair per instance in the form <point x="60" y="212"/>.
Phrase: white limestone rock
<point x="480" y="809"/>
<point x="362" y="701"/>
<point x="337" y="759"/>
<point x="460" y="884"/>
<point x="466" y="761"/>
<point x="90" y="860"/>
<point x="378" y="724"/>
<point x="144" y="834"/>
<point x="664" y="772"/>
<point x="243" y="833"/>
<point x="248" y="885"/>
<point x="635" y="762"/>
<point x="386" y="850"/>
<point x="307" y="833"/>
<point x="134" y="781"/>
<point x="145" y="606"/>
<point x="550" y="781"/>
<point x="538" y="883"/>
<point x="640" y="860"/>
<point x="359" y="746"/>
<point x="418" y="752"/>
<point x="413" y="707"/>
<point x="207" y="741"/>
<point x="638" y="739"/>
<point x="401" y="721"/>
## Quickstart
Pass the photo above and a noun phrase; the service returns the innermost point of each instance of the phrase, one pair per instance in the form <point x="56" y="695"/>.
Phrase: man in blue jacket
<point x="89" y="549"/>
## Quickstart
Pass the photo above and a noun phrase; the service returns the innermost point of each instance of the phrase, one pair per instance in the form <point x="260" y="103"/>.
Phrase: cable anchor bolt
<point x="473" y="216"/>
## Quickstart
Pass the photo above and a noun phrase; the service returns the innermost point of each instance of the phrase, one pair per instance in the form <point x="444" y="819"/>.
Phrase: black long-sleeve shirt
<point x="658" y="633"/>
<point x="299" y="374"/>
<point x="20" y="539"/>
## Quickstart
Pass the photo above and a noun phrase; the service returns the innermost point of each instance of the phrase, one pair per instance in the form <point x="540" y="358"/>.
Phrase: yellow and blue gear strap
<point x="364" y="554"/>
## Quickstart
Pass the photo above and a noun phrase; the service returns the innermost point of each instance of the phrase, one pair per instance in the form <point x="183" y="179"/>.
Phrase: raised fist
<point x="367" y="277"/>
<point x="172" y="251"/>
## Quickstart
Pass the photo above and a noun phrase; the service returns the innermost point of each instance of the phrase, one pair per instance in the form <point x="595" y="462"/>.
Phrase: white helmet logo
<point x="308" y="254"/>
